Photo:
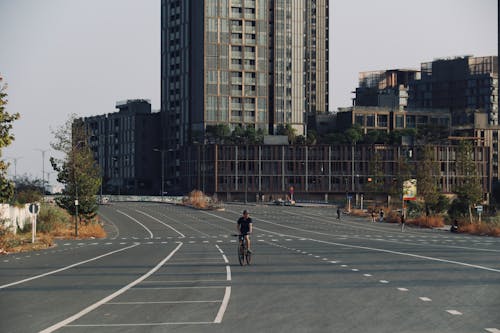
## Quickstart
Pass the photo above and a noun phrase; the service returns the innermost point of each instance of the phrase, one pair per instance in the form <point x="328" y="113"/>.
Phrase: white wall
<point x="14" y="216"/>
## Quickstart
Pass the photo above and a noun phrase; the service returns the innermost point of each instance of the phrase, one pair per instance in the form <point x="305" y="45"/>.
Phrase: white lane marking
<point x="355" y="270"/>
<point x="162" y="302"/>
<point x="492" y="330"/>
<point x="183" y="281"/>
<point x="425" y="299"/>
<point x="402" y="289"/>
<point x="110" y="297"/>
<point x="65" y="268"/>
<point x="223" y="307"/>
<point x="367" y="275"/>
<point x="384" y="281"/>
<point x="454" y="312"/>
<point x="135" y="220"/>
<point x="144" y="324"/>
<point x="333" y="262"/>
<point x="365" y="247"/>
<point x="160" y="221"/>
<point x="227" y="293"/>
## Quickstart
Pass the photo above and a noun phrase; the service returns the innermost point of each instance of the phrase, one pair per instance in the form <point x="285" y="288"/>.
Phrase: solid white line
<point x="166" y="288"/>
<point x="110" y="297"/>
<point x="158" y="220"/>
<point x="162" y="302"/>
<point x="225" y="259"/>
<point x="367" y="248"/>
<point x="492" y="330"/>
<point x="144" y="324"/>
<point x="223" y="306"/>
<point x="67" y="267"/>
<point x="130" y="217"/>
<point x="181" y="281"/>
<point x="228" y="273"/>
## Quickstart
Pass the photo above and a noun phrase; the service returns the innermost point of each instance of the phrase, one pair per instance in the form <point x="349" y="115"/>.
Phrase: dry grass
<point x="427" y="221"/>
<point x="21" y="242"/>
<point x="196" y="199"/>
<point x="480" y="229"/>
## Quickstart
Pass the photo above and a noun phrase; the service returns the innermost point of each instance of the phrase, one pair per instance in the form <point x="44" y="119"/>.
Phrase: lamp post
<point x="43" y="151"/>
<point x="162" y="169"/>
<point x="76" y="185"/>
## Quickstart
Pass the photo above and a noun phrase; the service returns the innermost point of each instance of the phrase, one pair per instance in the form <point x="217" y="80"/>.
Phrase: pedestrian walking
<point x="402" y="222"/>
<point x="381" y="215"/>
<point x="338" y="213"/>
<point x="373" y="216"/>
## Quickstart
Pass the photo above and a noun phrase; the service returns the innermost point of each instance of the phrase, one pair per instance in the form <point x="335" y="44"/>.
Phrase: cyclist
<point x="244" y="227"/>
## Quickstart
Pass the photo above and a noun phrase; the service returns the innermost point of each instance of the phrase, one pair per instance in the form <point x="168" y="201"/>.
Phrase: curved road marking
<point x="67" y="267"/>
<point x="158" y="220"/>
<point x="142" y="225"/>
<point x="227" y="294"/>
<point x="362" y="247"/>
<point x="110" y="297"/>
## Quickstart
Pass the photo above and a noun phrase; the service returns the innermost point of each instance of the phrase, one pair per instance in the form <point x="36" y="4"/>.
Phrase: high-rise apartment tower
<point x="259" y="63"/>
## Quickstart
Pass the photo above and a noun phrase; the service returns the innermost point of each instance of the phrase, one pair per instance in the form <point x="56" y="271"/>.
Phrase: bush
<point x="480" y="228"/>
<point x="52" y="217"/>
<point x="435" y="221"/>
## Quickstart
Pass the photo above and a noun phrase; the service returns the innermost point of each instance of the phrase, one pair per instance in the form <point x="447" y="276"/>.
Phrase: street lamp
<point x="76" y="185"/>
<point x="43" y="151"/>
<point x="162" y="169"/>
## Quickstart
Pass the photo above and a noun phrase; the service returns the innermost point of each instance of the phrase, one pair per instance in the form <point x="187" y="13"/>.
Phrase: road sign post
<point x="34" y="208"/>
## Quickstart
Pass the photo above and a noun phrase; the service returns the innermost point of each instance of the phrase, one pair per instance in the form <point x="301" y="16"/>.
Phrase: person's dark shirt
<point x="244" y="224"/>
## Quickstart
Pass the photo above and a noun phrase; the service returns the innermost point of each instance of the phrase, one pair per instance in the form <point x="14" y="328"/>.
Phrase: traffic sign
<point x="34" y="208"/>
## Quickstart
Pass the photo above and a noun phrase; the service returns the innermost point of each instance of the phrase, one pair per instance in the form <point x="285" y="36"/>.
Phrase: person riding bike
<point x="244" y="227"/>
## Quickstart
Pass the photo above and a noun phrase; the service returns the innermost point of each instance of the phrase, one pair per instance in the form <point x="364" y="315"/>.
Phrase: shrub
<point x="433" y="221"/>
<point x="50" y="217"/>
<point x="480" y="228"/>
<point x="197" y="199"/>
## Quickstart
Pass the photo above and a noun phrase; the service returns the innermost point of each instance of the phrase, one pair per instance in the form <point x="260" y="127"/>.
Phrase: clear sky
<point x="81" y="56"/>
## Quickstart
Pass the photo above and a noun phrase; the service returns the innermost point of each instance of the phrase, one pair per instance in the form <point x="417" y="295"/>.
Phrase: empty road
<point x="169" y="268"/>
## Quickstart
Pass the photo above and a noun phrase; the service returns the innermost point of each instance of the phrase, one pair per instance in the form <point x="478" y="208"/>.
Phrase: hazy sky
<point x="81" y="56"/>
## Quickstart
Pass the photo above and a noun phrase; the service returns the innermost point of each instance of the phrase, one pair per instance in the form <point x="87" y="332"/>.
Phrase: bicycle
<point x="243" y="253"/>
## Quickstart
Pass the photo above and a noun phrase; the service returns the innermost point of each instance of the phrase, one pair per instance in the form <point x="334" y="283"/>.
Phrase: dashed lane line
<point x="454" y="312"/>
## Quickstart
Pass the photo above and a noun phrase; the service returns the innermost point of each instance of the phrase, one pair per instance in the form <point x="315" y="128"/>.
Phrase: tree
<point x="77" y="170"/>
<point x="287" y="130"/>
<point x="469" y="190"/>
<point x="6" y="138"/>
<point x="427" y="177"/>
<point x="353" y="134"/>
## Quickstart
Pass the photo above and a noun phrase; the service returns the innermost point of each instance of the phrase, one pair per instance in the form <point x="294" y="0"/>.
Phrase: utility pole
<point x="15" y="165"/>
<point x="43" y="151"/>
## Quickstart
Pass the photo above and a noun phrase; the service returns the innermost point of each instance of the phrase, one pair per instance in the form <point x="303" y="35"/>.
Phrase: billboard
<point x="410" y="189"/>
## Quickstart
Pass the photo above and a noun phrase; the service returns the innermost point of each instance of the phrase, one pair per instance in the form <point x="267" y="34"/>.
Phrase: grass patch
<point x="435" y="221"/>
<point x="480" y="228"/>
<point x="52" y="222"/>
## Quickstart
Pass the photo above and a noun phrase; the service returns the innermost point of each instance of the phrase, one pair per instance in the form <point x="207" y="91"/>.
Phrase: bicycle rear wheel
<point x="248" y="257"/>
<point x="241" y="254"/>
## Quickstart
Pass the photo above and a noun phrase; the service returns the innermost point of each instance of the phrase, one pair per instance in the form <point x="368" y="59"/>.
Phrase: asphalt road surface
<point x="166" y="268"/>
